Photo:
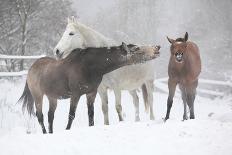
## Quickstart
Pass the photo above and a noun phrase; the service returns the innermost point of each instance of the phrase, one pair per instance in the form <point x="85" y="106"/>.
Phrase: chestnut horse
<point x="183" y="69"/>
<point x="79" y="73"/>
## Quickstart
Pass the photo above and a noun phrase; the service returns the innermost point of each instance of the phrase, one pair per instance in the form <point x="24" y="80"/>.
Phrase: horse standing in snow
<point x="78" y="35"/>
<point x="80" y="73"/>
<point x="183" y="69"/>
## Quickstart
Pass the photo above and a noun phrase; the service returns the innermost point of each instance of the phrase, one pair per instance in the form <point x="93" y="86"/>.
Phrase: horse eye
<point x="71" y="33"/>
<point x="136" y="48"/>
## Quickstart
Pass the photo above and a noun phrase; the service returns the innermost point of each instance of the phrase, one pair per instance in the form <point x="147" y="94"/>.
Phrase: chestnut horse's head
<point x="178" y="47"/>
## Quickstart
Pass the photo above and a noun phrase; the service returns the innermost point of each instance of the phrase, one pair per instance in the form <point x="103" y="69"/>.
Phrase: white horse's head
<point x="70" y="40"/>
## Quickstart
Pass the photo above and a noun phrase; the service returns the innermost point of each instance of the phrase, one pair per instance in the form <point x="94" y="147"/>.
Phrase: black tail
<point x="28" y="101"/>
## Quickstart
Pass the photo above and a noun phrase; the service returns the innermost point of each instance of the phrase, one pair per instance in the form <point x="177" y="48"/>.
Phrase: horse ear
<point x="171" y="40"/>
<point x="125" y="47"/>
<point x="73" y="19"/>
<point x="68" y="19"/>
<point x="186" y="36"/>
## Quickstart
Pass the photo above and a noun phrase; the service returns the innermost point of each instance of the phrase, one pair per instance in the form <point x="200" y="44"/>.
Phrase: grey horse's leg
<point x="150" y="87"/>
<point x="172" y="88"/>
<point x="73" y="105"/>
<point x="39" y="112"/>
<point x="104" y="98"/>
<point x="90" y="103"/>
<point x="136" y="104"/>
<point x="52" y="108"/>
<point x="118" y="104"/>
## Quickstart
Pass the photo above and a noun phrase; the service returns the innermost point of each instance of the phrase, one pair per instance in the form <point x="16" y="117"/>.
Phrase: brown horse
<point x="80" y="73"/>
<point x="184" y="69"/>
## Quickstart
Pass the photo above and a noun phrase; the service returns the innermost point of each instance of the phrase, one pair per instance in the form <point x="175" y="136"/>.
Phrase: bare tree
<point x="31" y="27"/>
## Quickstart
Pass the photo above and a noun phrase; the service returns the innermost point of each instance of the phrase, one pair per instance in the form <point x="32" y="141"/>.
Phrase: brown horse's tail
<point x="28" y="101"/>
<point x="145" y="97"/>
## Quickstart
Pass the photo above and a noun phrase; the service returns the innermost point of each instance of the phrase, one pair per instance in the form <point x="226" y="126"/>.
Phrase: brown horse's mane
<point x="180" y="40"/>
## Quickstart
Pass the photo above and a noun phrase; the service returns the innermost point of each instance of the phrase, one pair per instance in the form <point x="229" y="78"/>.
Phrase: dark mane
<point x="180" y="40"/>
<point x="130" y="45"/>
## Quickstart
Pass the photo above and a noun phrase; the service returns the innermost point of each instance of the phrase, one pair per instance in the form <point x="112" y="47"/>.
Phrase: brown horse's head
<point x="178" y="47"/>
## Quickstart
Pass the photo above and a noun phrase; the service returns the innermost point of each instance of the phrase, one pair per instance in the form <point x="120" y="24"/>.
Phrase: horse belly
<point x="129" y="77"/>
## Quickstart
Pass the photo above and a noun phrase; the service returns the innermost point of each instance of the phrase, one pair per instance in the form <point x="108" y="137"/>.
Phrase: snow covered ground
<point x="210" y="133"/>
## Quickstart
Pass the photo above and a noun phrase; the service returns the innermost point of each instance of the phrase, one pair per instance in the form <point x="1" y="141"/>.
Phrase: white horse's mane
<point x="91" y="37"/>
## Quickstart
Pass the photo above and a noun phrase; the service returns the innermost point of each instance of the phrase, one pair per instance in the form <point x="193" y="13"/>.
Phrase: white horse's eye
<point x="71" y="33"/>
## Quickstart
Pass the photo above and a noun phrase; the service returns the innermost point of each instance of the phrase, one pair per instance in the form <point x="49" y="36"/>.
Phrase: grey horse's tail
<point x="145" y="97"/>
<point x="27" y="100"/>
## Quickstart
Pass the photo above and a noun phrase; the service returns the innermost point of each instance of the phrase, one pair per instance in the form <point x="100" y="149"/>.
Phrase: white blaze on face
<point x="70" y="40"/>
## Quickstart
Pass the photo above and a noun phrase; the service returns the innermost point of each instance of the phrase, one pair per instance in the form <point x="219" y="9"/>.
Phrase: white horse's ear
<point x="73" y="19"/>
<point x="69" y="20"/>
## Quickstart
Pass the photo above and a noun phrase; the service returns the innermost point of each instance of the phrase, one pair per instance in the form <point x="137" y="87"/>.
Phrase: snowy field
<point x="210" y="133"/>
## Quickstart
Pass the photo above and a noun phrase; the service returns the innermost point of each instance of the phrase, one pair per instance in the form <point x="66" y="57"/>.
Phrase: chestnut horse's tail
<point x="28" y="101"/>
<point x="145" y="97"/>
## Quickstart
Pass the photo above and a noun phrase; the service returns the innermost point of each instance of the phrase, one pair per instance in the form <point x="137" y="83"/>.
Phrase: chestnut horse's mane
<point x="180" y="40"/>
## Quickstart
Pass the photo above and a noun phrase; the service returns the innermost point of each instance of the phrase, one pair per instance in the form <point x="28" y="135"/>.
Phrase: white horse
<point x="129" y="78"/>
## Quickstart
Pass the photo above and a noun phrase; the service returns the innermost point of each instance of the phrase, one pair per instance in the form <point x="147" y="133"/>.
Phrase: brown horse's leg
<point x="191" y="94"/>
<point x="73" y="106"/>
<point x="172" y="88"/>
<point x="39" y="113"/>
<point x="52" y="108"/>
<point x="90" y="103"/>
<point x="184" y="96"/>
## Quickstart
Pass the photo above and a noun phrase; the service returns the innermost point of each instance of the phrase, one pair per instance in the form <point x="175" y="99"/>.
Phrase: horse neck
<point x="104" y="61"/>
<point x="92" y="37"/>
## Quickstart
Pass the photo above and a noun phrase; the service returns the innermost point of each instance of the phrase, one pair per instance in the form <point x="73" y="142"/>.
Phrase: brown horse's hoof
<point x="185" y="118"/>
<point x="165" y="119"/>
<point x="137" y="119"/>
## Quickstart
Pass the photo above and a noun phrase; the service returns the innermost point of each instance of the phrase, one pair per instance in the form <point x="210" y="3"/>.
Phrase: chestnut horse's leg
<point x="90" y="103"/>
<point x="191" y="94"/>
<point x="104" y="98"/>
<point x="118" y="104"/>
<point x="184" y="96"/>
<point x="136" y="104"/>
<point x="73" y="106"/>
<point x="52" y="109"/>
<point x="39" y="113"/>
<point x="172" y="88"/>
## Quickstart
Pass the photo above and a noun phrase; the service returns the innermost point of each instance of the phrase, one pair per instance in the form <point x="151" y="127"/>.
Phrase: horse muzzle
<point x="179" y="57"/>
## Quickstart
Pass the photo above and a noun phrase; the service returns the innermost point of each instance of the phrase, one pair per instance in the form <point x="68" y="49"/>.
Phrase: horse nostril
<point x="57" y="52"/>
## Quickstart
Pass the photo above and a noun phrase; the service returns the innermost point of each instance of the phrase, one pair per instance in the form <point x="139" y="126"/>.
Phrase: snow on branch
<point x="20" y="57"/>
<point x="8" y="74"/>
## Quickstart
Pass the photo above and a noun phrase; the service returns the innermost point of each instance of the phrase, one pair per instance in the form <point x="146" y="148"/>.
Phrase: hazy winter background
<point x="33" y="27"/>
<point x="30" y="27"/>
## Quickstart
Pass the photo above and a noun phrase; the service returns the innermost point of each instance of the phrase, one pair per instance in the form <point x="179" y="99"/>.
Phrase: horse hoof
<point x="185" y="118"/>
<point x="165" y="119"/>
<point x="193" y="117"/>
<point x="137" y="119"/>
<point x="107" y="123"/>
<point x="152" y="118"/>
